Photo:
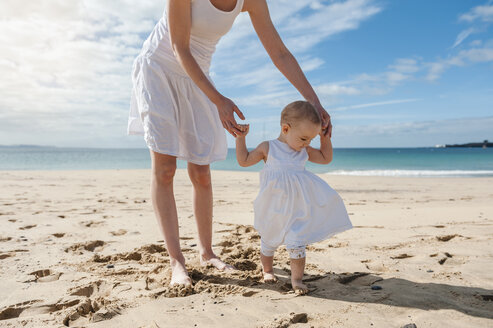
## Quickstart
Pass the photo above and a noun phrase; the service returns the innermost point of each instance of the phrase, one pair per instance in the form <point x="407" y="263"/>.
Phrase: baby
<point x="294" y="206"/>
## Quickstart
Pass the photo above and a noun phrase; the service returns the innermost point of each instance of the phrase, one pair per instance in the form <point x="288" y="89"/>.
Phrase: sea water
<point x="439" y="162"/>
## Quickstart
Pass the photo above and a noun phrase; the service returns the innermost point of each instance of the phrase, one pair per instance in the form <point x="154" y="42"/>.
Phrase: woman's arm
<point x="179" y="22"/>
<point x="322" y="155"/>
<point x="282" y="57"/>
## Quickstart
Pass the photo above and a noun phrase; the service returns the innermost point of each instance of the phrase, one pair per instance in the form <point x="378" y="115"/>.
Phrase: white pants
<point x="295" y="252"/>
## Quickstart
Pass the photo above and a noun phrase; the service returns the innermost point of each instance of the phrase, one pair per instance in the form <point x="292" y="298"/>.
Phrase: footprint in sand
<point x="11" y="253"/>
<point x="97" y="305"/>
<point x="2" y="239"/>
<point x="13" y="311"/>
<point x="27" y="227"/>
<point x="339" y="245"/>
<point x="119" y="232"/>
<point x="46" y="275"/>
<point x="286" y="320"/>
<point x="443" y="259"/>
<point x="151" y="253"/>
<point x="447" y="237"/>
<point x="91" y="246"/>
<point x="249" y="293"/>
<point x="401" y="256"/>
<point x="94" y="307"/>
<point x="223" y="230"/>
<point x="92" y="223"/>
<point x="6" y="255"/>
<point x="7" y="213"/>
<point x="59" y="234"/>
<point x="96" y="287"/>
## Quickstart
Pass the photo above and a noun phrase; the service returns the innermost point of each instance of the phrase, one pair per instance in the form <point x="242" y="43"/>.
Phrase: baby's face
<point x="301" y="134"/>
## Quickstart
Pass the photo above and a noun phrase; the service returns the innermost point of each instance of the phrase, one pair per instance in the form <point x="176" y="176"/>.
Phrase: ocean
<point x="416" y="162"/>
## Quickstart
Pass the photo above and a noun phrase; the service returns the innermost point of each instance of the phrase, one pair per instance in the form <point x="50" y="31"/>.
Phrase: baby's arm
<point x="322" y="155"/>
<point x="246" y="158"/>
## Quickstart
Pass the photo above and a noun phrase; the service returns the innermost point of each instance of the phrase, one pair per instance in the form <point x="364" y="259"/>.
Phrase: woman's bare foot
<point x="270" y="278"/>
<point x="299" y="287"/>
<point x="179" y="275"/>
<point x="217" y="263"/>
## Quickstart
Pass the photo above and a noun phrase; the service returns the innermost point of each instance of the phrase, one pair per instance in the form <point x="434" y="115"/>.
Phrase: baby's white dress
<point x="171" y="112"/>
<point x="295" y="207"/>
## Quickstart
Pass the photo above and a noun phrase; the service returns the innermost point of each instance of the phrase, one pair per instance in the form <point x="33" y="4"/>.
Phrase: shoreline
<point x="408" y="173"/>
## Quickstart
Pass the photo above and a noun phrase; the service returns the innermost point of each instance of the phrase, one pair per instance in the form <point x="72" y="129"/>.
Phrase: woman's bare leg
<point x="200" y="175"/>
<point x="163" y="201"/>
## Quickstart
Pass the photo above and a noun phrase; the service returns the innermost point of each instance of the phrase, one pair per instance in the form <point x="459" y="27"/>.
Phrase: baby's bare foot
<point x="299" y="287"/>
<point x="217" y="263"/>
<point x="179" y="275"/>
<point x="270" y="278"/>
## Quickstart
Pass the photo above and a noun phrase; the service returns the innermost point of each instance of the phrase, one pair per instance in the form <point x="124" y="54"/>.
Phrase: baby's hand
<point x="323" y="133"/>
<point x="244" y="128"/>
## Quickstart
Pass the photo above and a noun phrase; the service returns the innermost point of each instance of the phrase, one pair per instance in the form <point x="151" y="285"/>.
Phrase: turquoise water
<point x="347" y="161"/>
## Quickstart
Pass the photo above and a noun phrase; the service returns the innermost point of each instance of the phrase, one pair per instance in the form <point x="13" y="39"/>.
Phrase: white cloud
<point x="480" y="18"/>
<point x="302" y="25"/>
<point x="448" y="127"/>
<point x="482" y="13"/>
<point x="405" y="65"/>
<point x="331" y="89"/>
<point x="475" y="43"/>
<point x="377" y="84"/>
<point x="415" y="133"/>
<point x="302" y="33"/>
<point x="66" y="67"/>
<point x="464" y="57"/>
<point x="376" y="104"/>
<point x="462" y="36"/>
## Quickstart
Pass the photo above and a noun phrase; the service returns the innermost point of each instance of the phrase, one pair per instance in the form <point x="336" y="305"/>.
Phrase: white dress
<point x="294" y="206"/>
<point x="171" y="112"/>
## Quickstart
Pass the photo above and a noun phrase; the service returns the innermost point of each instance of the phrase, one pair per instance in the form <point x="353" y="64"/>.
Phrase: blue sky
<point x="391" y="73"/>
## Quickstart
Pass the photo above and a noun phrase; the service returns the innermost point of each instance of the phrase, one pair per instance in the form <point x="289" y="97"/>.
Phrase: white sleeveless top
<point x="171" y="112"/>
<point x="294" y="206"/>
<point x="208" y="25"/>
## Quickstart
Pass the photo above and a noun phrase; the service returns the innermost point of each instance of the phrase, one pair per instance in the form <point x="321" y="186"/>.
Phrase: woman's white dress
<point x="171" y="112"/>
<point x="294" y="206"/>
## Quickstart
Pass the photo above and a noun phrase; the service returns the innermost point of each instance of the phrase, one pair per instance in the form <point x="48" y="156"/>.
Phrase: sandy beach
<point x="82" y="248"/>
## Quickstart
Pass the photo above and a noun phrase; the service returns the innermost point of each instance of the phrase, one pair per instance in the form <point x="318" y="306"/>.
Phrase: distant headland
<point x="484" y="144"/>
<point x="25" y="146"/>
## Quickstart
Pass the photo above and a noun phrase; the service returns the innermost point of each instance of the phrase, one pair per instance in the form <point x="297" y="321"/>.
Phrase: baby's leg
<point x="267" y="259"/>
<point x="297" y="256"/>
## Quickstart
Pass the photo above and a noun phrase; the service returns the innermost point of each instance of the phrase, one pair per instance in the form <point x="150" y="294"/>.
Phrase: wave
<point x="416" y="173"/>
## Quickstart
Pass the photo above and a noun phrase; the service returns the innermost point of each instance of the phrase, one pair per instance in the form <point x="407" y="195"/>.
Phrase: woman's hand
<point x="226" y="108"/>
<point x="326" y="123"/>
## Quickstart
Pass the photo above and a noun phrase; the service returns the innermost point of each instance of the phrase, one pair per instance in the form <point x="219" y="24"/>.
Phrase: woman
<point x="182" y="115"/>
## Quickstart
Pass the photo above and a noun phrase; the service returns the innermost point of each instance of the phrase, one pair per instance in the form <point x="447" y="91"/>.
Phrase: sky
<point x="390" y="73"/>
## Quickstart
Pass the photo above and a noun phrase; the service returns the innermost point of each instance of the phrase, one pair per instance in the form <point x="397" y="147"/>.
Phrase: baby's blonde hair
<point x="298" y="111"/>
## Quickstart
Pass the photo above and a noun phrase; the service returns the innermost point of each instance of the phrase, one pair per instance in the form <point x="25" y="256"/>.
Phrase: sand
<point x="82" y="248"/>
